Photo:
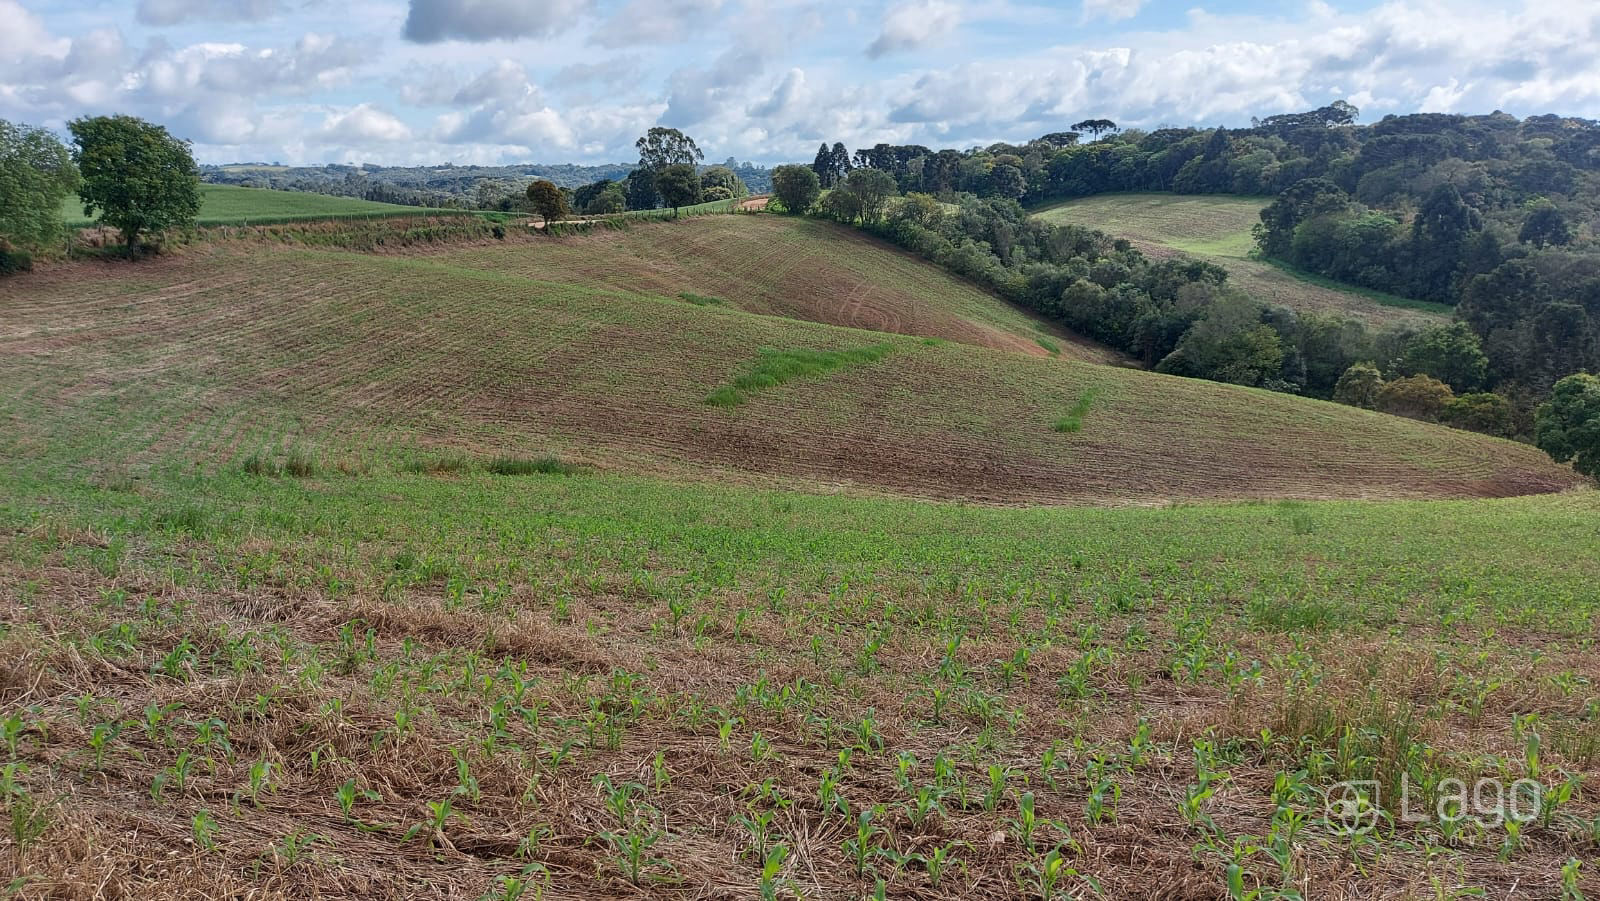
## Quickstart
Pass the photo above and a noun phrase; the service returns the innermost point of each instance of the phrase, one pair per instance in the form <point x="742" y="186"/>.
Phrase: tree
<point x="1359" y="386"/>
<point x="872" y="189"/>
<point x="725" y="178"/>
<point x="139" y="178"/>
<point x="1416" y="397"/>
<point x="609" y="201"/>
<point x="679" y="186"/>
<point x="1008" y="182"/>
<point x="1482" y="412"/>
<point x="841" y="161"/>
<point x="823" y="166"/>
<point x="36" y="175"/>
<point x="1545" y="225"/>
<point x="1567" y="427"/>
<point x="640" y="190"/>
<point x="1450" y="353"/>
<point x="1231" y="344"/>
<point x="796" y="186"/>
<point x="663" y="147"/>
<point x="1096" y="127"/>
<point x="548" y="201"/>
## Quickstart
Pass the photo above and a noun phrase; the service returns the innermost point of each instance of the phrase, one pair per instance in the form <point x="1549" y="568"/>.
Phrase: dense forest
<point x="1490" y="214"/>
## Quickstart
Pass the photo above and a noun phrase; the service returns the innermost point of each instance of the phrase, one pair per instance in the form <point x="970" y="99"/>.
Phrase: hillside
<point x="1216" y="228"/>
<point x="586" y="347"/>
<point x="226" y="205"/>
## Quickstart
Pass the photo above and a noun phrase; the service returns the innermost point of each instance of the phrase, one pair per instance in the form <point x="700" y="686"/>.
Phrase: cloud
<point x="914" y="24"/>
<point x="697" y="94"/>
<point x="363" y="124"/>
<point x="657" y="22"/>
<point x="614" y="70"/>
<point x="1111" y="10"/>
<point x="432" y="21"/>
<point x="179" y="12"/>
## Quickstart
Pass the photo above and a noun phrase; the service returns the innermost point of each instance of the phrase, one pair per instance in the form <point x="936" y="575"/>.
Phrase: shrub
<point x="1482" y="412"/>
<point x="13" y="261"/>
<point x="1568" y="425"/>
<point x="1359" y="386"/>
<point x="1417" y="397"/>
<point x="523" y="466"/>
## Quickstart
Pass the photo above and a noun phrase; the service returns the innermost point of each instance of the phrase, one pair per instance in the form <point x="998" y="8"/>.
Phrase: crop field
<point x="442" y="573"/>
<point x="790" y="267"/>
<point x="539" y="346"/>
<point x="228" y="205"/>
<point x="1216" y="228"/>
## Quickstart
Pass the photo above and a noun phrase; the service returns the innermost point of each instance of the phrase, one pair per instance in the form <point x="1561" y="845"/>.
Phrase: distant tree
<point x="1481" y="412"/>
<point x="139" y="178"/>
<point x="1545" y="225"/>
<point x="724" y="178"/>
<point x="797" y="187"/>
<point x="1359" y="386"/>
<point x="1058" y="139"/>
<point x="841" y="161"/>
<point x="679" y="186"/>
<point x="1096" y="127"/>
<point x="1439" y="241"/>
<point x="923" y="209"/>
<point x="842" y="204"/>
<point x="36" y="175"/>
<point x="609" y="201"/>
<point x="1567" y="427"/>
<point x="548" y="201"/>
<point x="1302" y="201"/>
<point x="663" y="147"/>
<point x="1450" y="353"/>
<point x="585" y="194"/>
<point x="872" y="189"/>
<point x="640" y="190"/>
<point x="823" y="166"/>
<point x="1008" y="182"/>
<point x="1231" y="344"/>
<point x="1416" y="397"/>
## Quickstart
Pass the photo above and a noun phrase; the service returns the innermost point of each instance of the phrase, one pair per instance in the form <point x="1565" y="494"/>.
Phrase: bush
<point x="1359" y="386"/>
<point x="1416" y="397"/>
<point x="1483" y="412"/>
<point x="13" y="261"/>
<point x="522" y="466"/>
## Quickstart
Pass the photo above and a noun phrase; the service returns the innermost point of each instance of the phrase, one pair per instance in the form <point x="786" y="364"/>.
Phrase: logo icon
<point x="1351" y="807"/>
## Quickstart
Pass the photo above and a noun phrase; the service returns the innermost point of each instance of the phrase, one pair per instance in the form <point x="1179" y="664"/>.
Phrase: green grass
<point x="524" y="466"/>
<point x="775" y="367"/>
<point x="1072" y="422"/>
<point x="230" y="205"/>
<point x="1050" y="346"/>
<point x="1216" y="228"/>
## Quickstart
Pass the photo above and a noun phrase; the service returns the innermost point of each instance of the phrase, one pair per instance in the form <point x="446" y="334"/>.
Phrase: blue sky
<point x="492" y="81"/>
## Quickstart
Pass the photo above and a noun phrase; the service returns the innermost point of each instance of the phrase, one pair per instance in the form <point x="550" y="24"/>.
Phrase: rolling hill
<point x="630" y="565"/>
<point x="605" y="348"/>
<point x="1216" y="228"/>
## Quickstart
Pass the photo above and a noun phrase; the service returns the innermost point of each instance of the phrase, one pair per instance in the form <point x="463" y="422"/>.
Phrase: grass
<point x="229" y="205"/>
<point x="736" y="659"/>
<point x="1072" y="422"/>
<point x="1216" y="228"/>
<point x="700" y="300"/>
<point x="774" y="367"/>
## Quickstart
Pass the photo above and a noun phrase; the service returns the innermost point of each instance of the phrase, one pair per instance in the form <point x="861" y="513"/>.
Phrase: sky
<point x="413" y="82"/>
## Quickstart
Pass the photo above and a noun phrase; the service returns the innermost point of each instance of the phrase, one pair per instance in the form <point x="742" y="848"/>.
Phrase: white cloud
<point x="658" y="22"/>
<point x="363" y="124"/>
<point x="1111" y="10"/>
<point x="915" y="23"/>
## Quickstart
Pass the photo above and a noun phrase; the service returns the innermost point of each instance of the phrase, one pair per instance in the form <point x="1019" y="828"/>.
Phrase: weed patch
<point x="1072" y="422"/>
<point x="775" y="367"/>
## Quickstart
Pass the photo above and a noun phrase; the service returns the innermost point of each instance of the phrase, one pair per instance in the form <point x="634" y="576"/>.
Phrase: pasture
<point x="1216" y="228"/>
<point x="229" y="205"/>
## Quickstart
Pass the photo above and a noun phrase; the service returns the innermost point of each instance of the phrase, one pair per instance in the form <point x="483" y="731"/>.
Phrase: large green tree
<point x="679" y="186"/>
<point x="548" y="201"/>
<point x="796" y="187"/>
<point x="136" y="176"/>
<point x="36" y="175"/>
<point x="1567" y="427"/>
<point x="663" y="147"/>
